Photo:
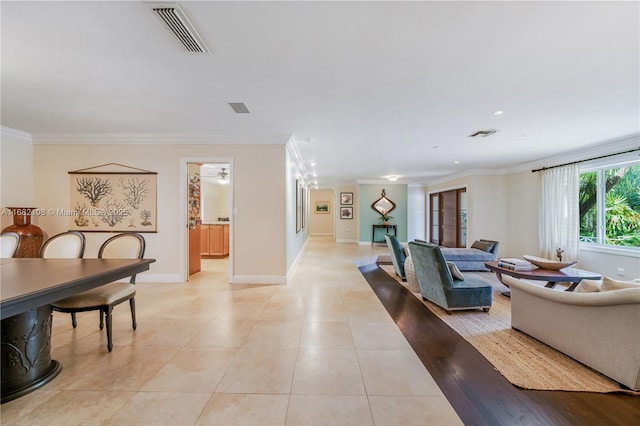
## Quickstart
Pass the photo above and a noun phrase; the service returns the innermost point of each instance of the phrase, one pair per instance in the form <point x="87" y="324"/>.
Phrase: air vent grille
<point x="482" y="133"/>
<point x="239" y="107"/>
<point x="178" y="23"/>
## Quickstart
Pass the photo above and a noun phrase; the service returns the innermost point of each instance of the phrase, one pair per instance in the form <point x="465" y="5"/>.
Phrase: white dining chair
<point x="67" y="245"/>
<point x="104" y="298"/>
<point x="9" y="242"/>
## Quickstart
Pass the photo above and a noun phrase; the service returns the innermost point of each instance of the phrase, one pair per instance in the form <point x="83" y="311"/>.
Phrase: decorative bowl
<point x="553" y="265"/>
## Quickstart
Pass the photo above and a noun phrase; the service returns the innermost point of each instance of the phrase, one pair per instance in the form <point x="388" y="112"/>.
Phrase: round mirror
<point x="383" y="205"/>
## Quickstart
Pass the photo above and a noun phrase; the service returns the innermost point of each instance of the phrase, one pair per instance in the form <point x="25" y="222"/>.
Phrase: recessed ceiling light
<point x="313" y="164"/>
<point x="456" y="162"/>
<point x="522" y="137"/>
<point x="392" y="178"/>
<point x="314" y="174"/>
<point x="498" y="112"/>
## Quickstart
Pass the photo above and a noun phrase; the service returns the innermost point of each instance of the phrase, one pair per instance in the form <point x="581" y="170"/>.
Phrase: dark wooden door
<point x="448" y="219"/>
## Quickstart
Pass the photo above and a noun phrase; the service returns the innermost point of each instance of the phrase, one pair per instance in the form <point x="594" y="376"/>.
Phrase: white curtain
<point x="560" y="212"/>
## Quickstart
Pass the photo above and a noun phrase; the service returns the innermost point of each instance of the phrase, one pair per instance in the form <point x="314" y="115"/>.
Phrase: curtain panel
<point x="560" y="213"/>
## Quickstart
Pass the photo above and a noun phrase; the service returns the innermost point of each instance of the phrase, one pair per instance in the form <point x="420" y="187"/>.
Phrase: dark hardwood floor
<point x="480" y="394"/>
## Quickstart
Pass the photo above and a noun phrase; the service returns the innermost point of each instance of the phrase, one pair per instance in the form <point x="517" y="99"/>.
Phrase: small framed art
<point x="346" y="198"/>
<point x="322" y="207"/>
<point x="346" y="212"/>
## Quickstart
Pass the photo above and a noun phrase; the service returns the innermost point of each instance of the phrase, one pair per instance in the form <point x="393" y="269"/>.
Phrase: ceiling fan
<point x="223" y="176"/>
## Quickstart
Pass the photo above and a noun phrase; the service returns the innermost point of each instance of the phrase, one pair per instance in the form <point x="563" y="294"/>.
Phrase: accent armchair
<point x="398" y="255"/>
<point x="438" y="286"/>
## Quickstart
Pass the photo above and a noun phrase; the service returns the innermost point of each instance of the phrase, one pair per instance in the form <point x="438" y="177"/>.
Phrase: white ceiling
<point x="367" y="89"/>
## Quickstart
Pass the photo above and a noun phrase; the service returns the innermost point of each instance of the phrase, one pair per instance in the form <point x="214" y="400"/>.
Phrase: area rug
<point x="522" y="360"/>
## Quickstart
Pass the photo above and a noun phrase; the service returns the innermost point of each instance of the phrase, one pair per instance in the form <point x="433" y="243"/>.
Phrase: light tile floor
<point x="320" y="350"/>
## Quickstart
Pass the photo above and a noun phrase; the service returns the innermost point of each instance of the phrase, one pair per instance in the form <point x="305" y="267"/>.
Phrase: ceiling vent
<point x="177" y="22"/>
<point x="482" y="133"/>
<point x="239" y="107"/>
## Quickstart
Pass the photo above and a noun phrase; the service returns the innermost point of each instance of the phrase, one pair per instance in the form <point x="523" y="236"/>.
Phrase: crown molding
<point x="155" y="139"/>
<point x="605" y="148"/>
<point x="15" y="135"/>
<point x="466" y="173"/>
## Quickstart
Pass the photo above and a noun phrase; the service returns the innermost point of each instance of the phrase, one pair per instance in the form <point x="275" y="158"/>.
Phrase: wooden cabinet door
<point x="205" y="246"/>
<point x="225" y="239"/>
<point x="216" y="239"/>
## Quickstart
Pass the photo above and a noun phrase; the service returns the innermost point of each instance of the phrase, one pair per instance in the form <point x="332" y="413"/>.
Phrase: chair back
<point x="431" y="268"/>
<point x="123" y="246"/>
<point x="9" y="242"/>
<point x="127" y="245"/>
<point x="67" y="245"/>
<point x="397" y="254"/>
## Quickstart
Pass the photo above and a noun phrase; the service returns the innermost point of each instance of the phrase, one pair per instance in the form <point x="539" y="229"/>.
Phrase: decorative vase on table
<point x="30" y="235"/>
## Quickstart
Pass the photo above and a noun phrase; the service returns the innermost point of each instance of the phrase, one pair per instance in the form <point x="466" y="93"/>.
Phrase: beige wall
<point x="322" y="224"/>
<point x="259" y="180"/>
<point x="215" y="202"/>
<point x="16" y="179"/>
<point x="523" y="201"/>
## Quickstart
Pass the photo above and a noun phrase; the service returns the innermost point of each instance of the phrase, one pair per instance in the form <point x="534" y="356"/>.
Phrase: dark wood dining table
<point x="27" y="288"/>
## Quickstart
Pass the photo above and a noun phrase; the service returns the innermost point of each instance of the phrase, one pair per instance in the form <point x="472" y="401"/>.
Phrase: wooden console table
<point x="386" y="228"/>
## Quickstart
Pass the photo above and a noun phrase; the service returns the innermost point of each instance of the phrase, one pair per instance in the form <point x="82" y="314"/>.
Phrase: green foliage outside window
<point x="621" y="191"/>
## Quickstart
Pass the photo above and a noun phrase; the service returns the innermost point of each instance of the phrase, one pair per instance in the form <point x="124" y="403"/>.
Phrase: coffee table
<point x="552" y="277"/>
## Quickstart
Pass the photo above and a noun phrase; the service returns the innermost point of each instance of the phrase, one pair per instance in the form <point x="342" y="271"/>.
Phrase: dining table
<point x="28" y="286"/>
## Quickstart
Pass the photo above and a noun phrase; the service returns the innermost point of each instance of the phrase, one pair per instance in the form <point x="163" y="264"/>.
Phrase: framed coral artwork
<point x="113" y="198"/>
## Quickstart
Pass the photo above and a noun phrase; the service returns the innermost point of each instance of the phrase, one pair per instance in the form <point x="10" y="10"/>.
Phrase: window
<point x="610" y="205"/>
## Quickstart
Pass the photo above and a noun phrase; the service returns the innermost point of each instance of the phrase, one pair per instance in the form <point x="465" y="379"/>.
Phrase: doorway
<point x="207" y="200"/>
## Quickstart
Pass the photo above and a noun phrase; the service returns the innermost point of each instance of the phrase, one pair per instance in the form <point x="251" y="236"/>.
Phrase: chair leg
<point x="107" y="315"/>
<point x="132" y="305"/>
<point x="486" y="309"/>
<point x="101" y="319"/>
<point x="74" y="323"/>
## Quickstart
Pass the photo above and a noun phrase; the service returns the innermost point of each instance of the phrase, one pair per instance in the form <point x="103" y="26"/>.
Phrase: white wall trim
<point x="467" y="173"/>
<point x="155" y="139"/>
<point x="15" y="135"/>
<point x="258" y="279"/>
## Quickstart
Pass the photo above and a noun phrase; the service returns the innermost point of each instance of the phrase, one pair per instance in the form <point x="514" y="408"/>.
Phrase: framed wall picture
<point x="113" y="198"/>
<point x="346" y="198"/>
<point x="346" y="212"/>
<point x="323" y="207"/>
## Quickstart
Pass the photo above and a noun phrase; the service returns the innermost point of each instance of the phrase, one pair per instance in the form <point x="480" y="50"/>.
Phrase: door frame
<point x="183" y="202"/>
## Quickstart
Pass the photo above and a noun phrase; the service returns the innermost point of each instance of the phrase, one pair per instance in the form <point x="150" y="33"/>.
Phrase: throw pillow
<point x="588" y="286"/>
<point x="482" y="245"/>
<point x="455" y="272"/>
<point x="611" y="284"/>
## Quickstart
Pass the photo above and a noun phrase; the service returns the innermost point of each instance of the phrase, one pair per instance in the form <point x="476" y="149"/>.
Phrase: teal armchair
<point x="438" y="286"/>
<point x="398" y="256"/>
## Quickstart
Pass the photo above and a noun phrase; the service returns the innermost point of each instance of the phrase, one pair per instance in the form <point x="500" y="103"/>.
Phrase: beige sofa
<point x="601" y="329"/>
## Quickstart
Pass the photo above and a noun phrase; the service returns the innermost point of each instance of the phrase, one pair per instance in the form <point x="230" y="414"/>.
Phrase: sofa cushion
<point x="611" y="284"/>
<point x="482" y="245"/>
<point x="455" y="272"/>
<point x="588" y="286"/>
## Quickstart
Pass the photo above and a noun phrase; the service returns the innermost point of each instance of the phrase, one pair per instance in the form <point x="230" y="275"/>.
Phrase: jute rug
<point x="523" y="360"/>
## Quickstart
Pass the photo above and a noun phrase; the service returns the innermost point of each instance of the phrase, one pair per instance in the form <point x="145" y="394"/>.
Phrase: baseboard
<point x="258" y="279"/>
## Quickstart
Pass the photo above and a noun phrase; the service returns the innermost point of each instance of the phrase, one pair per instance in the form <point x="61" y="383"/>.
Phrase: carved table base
<point x="26" y="353"/>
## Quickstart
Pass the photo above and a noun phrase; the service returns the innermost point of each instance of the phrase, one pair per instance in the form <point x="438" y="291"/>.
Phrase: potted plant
<point x="385" y="217"/>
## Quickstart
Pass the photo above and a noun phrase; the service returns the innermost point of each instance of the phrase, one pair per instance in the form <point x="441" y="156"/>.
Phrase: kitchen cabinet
<point x="214" y="240"/>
